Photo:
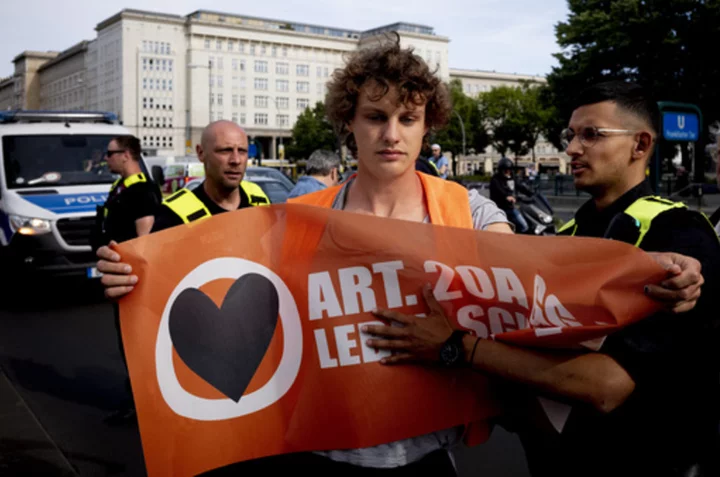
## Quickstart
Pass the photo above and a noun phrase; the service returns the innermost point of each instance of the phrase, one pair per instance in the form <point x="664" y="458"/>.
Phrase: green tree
<point x="667" y="46"/>
<point x="501" y="109"/>
<point x="516" y="117"/>
<point x="311" y="131"/>
<point x="476" y="136"/>
<point x="535" y="114"/>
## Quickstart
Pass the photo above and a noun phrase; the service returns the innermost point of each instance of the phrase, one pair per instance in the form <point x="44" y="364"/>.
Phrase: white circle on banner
<point x="188" y="405"/>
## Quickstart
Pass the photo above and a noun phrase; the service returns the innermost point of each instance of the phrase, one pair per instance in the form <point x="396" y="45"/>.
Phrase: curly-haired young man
<point x="384" y="104"/>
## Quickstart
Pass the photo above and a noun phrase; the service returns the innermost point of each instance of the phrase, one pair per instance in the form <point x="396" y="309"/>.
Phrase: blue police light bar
<point x="58" y="116"/>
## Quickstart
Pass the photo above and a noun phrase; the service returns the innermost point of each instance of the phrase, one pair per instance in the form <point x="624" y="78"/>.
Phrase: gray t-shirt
<point x="405" y="451"/>
<point x="484" y="211"/>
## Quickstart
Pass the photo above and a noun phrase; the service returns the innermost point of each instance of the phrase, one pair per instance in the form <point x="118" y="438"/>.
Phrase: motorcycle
<point x="537" y="212"/>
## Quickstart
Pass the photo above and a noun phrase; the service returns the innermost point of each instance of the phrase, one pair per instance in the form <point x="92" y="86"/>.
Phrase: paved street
<point x="62" y="373"/>
<point x="61" y="357"/>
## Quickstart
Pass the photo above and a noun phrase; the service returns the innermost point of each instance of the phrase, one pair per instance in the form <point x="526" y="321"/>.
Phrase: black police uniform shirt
<point x="670" y="421"/>
<point x="166" y="218"/>
<point x="125" y="205"/>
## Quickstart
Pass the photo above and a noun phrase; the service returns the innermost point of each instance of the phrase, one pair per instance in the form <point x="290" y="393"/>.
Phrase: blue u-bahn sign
<point x="680" y="126"/>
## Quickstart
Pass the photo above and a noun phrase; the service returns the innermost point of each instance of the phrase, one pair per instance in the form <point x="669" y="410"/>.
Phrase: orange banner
<point x="243" y="341"/>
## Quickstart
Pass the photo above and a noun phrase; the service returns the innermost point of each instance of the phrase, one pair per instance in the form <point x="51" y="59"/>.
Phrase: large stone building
<point x="22" y="90"/>
<point x="475" y="82"/>
<point x="167" y="76"/>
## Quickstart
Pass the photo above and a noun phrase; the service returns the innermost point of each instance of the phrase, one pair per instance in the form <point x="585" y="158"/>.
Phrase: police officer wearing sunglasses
<point x="668" y="424"/>
<point x="133" y="198"/>
<point x="127" y="213"/>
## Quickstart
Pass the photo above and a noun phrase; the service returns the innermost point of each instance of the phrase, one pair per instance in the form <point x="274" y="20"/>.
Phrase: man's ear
<point x="199" y="152"/>
<point x="643" y="145"/>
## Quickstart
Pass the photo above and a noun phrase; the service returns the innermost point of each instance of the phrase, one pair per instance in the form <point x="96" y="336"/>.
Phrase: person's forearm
<point x="144" y="225"/>
<point x="592" y="378"/>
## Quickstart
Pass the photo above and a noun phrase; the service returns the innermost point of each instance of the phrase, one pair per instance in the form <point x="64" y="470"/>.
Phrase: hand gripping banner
<point x="243" y="335"/>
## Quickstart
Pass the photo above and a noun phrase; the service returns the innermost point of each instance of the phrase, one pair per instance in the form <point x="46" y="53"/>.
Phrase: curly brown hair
<point x="387" y="65"/>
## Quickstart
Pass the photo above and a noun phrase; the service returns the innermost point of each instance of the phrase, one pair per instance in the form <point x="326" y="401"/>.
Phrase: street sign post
<point x="681" y="122"/>
<point x="680" y="126"/>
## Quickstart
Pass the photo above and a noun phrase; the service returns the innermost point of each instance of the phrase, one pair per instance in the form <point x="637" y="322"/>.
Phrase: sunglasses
<point x="110" y="152"/>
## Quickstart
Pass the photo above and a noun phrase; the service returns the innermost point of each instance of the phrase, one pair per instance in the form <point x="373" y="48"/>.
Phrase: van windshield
<point x="32" y="161"/>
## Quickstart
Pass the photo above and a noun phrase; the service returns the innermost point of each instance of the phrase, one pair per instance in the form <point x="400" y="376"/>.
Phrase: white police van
<point x="53" y="174"/>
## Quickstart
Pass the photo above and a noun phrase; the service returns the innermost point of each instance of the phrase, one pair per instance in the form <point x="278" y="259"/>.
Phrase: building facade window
<point x="261" y="119"/>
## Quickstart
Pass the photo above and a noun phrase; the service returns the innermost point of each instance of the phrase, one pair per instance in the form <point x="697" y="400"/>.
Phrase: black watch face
<point x="450" y="353"/>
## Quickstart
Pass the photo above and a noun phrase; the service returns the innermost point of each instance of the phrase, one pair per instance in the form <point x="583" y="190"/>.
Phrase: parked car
<point x="277" y="191"/>
<point x="254" y="171"/>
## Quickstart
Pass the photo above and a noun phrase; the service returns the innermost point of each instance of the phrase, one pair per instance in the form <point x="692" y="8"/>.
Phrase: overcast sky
<point x="510" y="36"/>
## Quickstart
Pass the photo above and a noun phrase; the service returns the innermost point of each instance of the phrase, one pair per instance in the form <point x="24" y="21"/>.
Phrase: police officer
<point x="667" y="425"/>
<point x="647" y="402"/>
<point x="130" y="207"/>
<point x="223" y="150"/>
<point x="127" y="213"/>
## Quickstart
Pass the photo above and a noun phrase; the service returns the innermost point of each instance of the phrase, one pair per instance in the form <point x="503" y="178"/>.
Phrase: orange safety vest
<point x="446" y="201"/>
<point x="447" y="204"/>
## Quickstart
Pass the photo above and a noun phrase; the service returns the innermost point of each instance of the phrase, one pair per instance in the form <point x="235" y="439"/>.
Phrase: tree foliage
<point x="311" y="131"/>
<point x="465" y="107"/>
<point x="667" y="46"/>
<point x="516" y="117"/>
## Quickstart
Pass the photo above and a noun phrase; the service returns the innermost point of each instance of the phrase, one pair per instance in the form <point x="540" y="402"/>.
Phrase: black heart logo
<point x="225" y="346"/>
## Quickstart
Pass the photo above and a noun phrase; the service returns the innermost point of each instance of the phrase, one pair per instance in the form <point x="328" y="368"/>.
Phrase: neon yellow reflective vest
<point x="186" y="205"/>
<point x="127" y="182"/>
<point x="644" y="210"/>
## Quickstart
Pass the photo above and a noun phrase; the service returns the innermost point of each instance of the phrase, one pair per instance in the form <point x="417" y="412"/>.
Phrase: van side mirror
<point x="158" y="175"/>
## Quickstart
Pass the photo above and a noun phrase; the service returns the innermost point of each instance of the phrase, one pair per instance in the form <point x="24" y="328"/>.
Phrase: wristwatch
<point x="452" y="352"/>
